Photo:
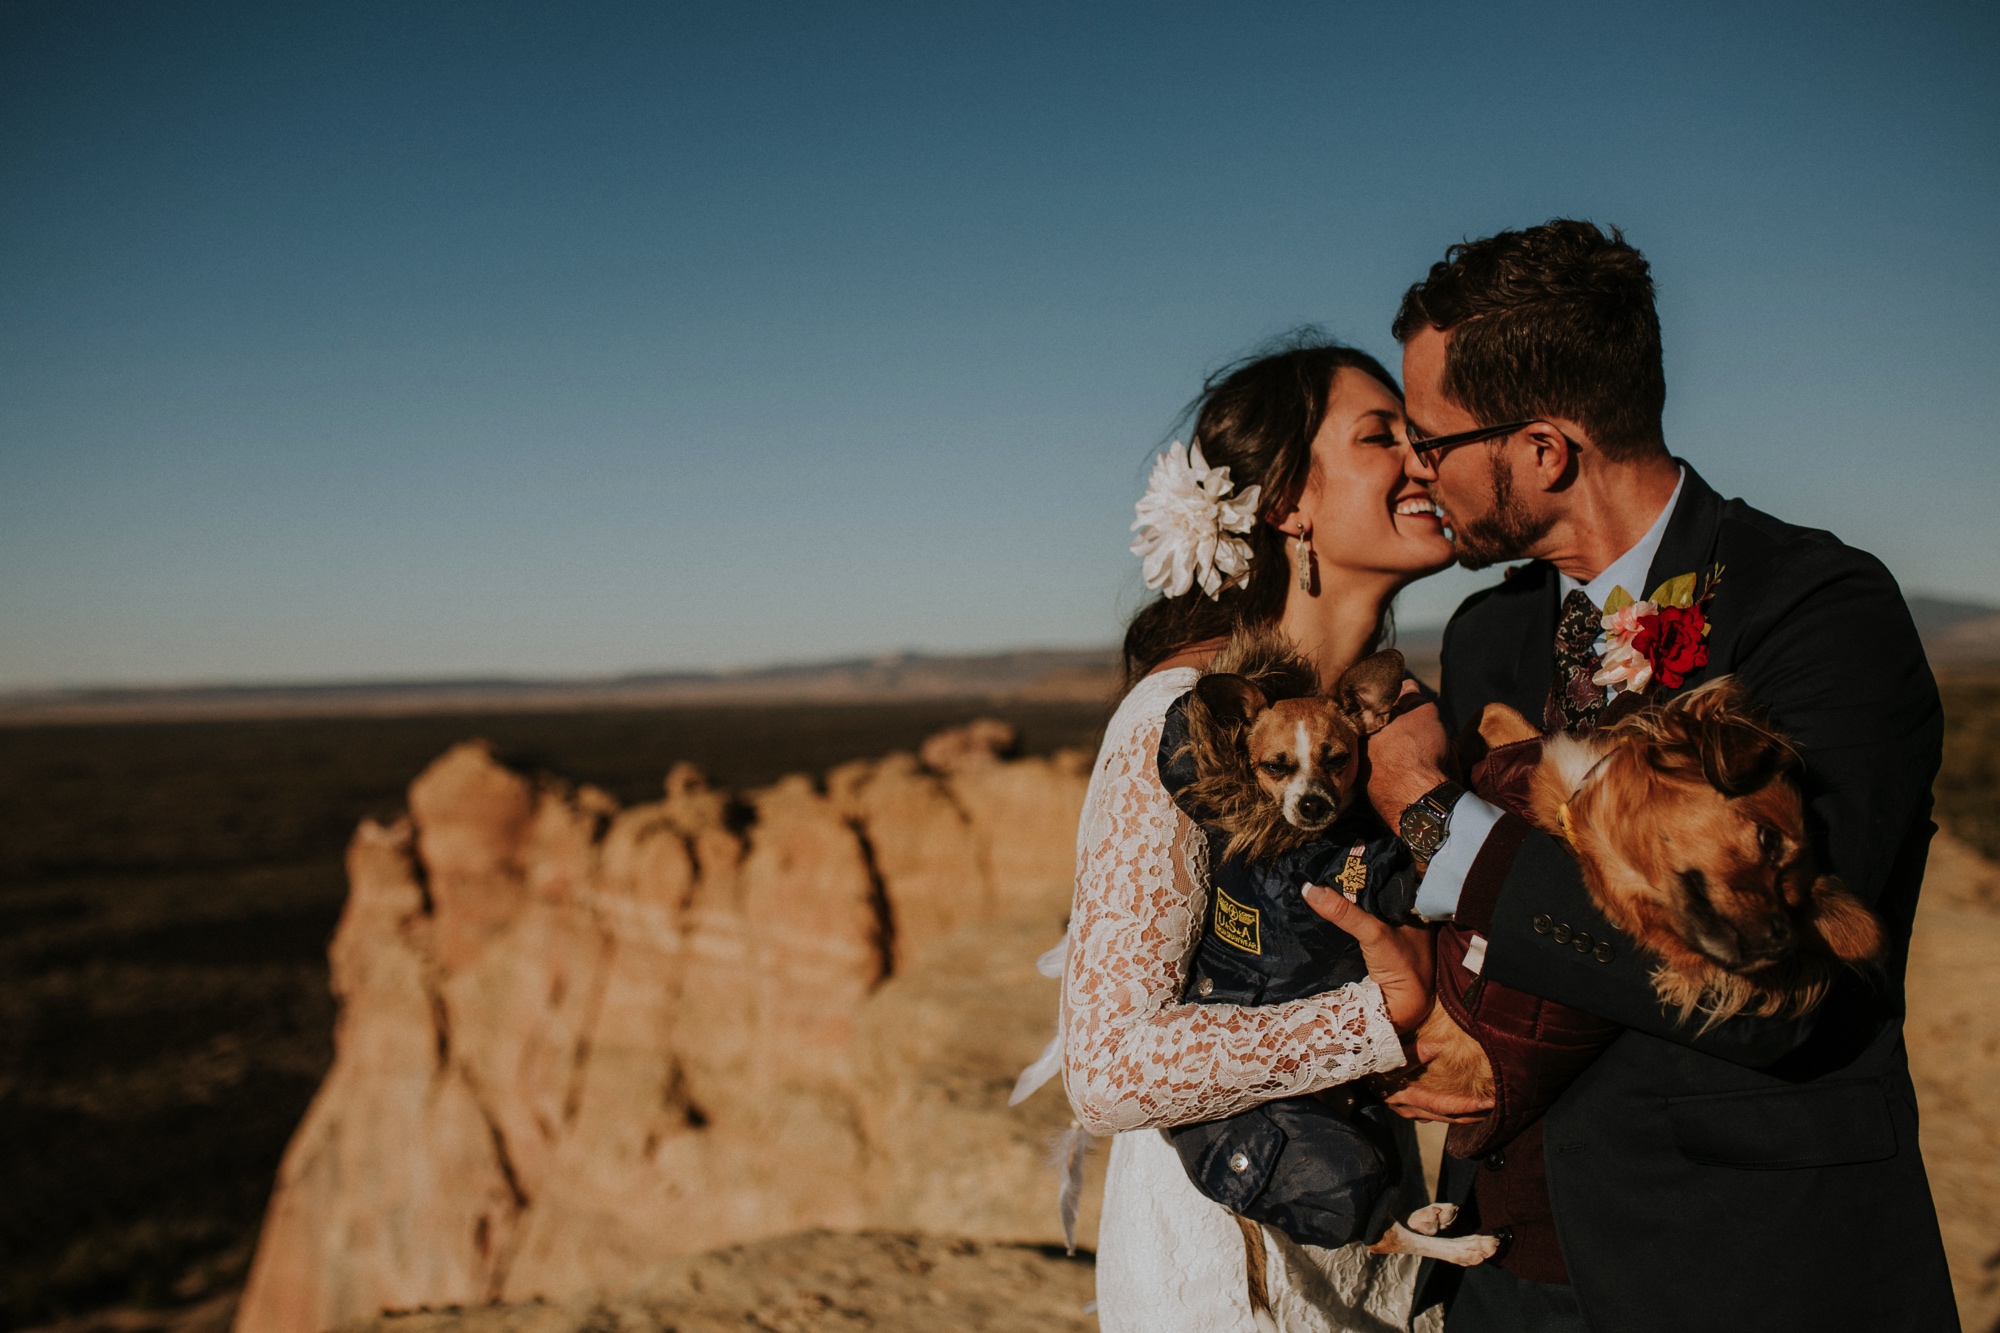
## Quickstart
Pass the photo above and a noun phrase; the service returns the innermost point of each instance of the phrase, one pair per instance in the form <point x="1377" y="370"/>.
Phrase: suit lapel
<point x="1687" y="547"/>
<point x="1688" y="544"/>
<point x="1534" y="656"/>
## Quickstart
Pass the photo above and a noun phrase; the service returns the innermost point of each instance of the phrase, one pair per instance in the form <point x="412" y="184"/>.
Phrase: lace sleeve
<point x="1134" y="1055"/>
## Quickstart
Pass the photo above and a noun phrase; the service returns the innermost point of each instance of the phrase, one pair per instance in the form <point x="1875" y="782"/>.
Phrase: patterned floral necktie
<point x="1573" y="702"/>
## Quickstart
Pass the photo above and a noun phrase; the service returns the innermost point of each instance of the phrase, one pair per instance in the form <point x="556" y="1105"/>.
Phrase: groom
<point x="1763" y="1174"/>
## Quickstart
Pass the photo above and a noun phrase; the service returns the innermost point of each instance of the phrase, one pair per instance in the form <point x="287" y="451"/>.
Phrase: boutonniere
<point x="1663" y="638"/>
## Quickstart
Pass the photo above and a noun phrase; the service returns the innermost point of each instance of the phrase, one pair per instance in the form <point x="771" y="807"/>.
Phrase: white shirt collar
<point x="1629" y="570"/>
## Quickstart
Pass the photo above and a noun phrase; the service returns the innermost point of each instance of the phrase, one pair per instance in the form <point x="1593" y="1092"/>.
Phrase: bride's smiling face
<point x="1363" y="513"/>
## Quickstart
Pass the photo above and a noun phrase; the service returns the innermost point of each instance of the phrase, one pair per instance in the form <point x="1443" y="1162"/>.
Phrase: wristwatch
<point x="1428" y="819"/>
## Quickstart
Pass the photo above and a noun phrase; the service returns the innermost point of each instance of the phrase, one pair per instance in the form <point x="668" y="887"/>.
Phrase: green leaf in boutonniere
<point x="1618" y="600"/>
<point x="1675" y="592"/>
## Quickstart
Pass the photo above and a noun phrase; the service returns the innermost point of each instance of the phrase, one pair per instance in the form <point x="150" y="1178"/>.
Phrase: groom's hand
<point x="1418" y="1103"/>
<point x="1407" y="757"/>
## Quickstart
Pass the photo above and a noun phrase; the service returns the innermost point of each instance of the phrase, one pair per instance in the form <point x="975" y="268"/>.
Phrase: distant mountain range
<point x="1957" y="634"/>
<point x="1066" y="674"/>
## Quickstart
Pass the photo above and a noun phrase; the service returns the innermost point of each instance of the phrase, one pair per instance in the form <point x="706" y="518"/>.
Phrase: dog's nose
<point x="1315" y="809"/>
<point x="1772" y="943"/>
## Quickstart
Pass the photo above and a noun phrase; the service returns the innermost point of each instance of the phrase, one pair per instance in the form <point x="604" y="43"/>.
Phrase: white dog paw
<point x="1470" y="1250"/>
<point x="1432" y="1218"/>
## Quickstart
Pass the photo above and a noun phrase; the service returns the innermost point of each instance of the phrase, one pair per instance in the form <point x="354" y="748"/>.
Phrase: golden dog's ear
<point x="1848" y="927"/>
<point x="1367" y="691"/>
<point x="1230" y="698"/>
<point x="1721" y="696"/>
<point x="1739" y="751"/>
<point x="1500" y="725"/>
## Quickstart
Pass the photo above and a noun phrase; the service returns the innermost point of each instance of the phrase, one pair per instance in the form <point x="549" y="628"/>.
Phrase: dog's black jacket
<point x="1327" y="1169"/>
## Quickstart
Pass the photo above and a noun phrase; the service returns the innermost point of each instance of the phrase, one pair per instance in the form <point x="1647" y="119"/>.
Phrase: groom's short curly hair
<point x="1555" y="320"/>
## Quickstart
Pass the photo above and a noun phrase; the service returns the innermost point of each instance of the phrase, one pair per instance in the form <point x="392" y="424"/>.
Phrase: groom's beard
<point x="1507" y="531"/>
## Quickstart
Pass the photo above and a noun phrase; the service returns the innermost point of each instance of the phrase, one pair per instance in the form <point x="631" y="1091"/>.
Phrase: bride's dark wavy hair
<point x="1257" y="417"/>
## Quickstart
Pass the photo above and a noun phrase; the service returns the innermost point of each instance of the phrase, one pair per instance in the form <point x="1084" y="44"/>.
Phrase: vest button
<point x="1544" y="923"/>
<point x="1583" y="941"/>
<point x="1605" y="953"/>
<point x="1206" y="986"/>
<point x="1239" y="1162"/>
<point x="1562" y="933"/>
<point x="1496" y="1160"/>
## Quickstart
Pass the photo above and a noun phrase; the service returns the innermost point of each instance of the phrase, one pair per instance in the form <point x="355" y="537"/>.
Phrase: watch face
<point x="1424" y="823"/>
<point x="1421" y="829"/>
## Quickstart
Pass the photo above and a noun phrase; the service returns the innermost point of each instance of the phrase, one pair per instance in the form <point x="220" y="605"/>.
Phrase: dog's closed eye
<point x="1277" y="768"/>
<point x="1771" y="844"/>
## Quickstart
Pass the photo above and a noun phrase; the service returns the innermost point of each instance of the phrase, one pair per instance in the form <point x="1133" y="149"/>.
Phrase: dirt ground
<point x="1953" y="1031"/>
<point x="816" y="1282"/>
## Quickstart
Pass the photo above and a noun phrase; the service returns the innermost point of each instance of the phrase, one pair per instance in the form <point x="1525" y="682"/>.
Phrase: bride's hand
<point x="1399" y="958"/>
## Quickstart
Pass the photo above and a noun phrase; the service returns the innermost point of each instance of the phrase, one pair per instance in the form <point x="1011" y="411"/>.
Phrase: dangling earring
<point x="1302" y="560"/>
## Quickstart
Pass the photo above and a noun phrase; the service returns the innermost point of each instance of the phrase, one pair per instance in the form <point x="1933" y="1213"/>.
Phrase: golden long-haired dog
<point x="1689" y="828"/>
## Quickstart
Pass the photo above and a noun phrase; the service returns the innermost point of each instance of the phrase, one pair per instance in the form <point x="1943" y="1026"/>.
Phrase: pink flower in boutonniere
<point x="1625" y="666"/>
<point x="1624" y="622"/>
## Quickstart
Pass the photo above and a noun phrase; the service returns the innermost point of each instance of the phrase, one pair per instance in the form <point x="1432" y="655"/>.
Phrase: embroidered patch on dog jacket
<point x="1236" y="925"/>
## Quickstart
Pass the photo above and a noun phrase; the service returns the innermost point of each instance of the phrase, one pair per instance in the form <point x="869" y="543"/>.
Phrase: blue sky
<point x="396" y="340"/>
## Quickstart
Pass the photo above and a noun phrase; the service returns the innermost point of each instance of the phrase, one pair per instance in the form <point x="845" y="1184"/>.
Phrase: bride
<point x="1291" y="509"/>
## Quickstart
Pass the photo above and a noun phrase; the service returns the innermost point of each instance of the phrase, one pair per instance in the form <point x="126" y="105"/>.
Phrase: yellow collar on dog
<point x="1562" y="811"/>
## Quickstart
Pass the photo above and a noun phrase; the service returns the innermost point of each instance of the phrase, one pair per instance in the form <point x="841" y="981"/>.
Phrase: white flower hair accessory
<point x="1186" y="518"/>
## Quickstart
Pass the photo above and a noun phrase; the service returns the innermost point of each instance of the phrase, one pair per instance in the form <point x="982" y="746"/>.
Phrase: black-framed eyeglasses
<point x="1441" y="445"/>
<point x="1437" y="446"/>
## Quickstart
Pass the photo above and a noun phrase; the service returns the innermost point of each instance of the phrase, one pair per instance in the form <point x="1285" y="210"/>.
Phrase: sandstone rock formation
<point x="577" y="1040"/>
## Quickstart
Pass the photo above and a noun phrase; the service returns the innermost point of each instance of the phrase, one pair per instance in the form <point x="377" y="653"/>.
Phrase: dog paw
<point x="1468" y="1251"/>
<point x="1433" y="1218"/>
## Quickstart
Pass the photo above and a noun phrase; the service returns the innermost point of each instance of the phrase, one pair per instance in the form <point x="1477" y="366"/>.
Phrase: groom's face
<point x="1473" y="484"/>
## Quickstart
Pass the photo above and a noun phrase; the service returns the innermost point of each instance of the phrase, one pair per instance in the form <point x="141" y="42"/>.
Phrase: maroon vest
<point x="1536" y="1046"/>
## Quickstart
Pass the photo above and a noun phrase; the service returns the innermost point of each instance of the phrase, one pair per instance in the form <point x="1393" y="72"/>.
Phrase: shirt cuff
<point x="1444" y="881"/>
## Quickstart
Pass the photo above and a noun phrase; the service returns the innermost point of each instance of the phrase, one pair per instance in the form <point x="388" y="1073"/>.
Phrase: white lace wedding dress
<point x="1136" y="1058"/>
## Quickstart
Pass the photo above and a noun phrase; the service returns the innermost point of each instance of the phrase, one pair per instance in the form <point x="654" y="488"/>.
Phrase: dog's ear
<point x="1367" y="691"/>
<point x="1848" y="928"/>
<point x="1739" y="756"/>
<point x="1230" y="698"/>
<point x="1722" y="697"/>
<point x="1500" y="725"/>
<point x="1739" y="751"/>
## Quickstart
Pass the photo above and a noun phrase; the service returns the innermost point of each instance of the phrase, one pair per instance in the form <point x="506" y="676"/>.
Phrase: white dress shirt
<point x="1471" y="818"/>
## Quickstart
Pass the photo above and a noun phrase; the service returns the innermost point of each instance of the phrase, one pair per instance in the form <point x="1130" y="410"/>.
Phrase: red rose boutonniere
<point x="1663" y="638"/>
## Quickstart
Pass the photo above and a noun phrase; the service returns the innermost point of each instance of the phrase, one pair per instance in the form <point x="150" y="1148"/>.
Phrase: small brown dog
<point x="1690" y="832"/>
<point x="1275" y="774"/>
